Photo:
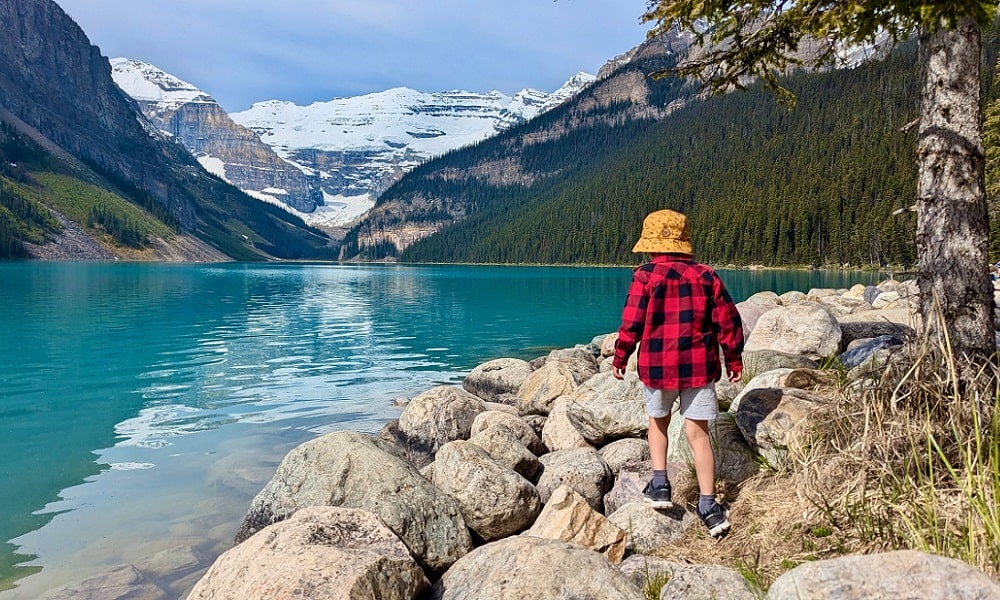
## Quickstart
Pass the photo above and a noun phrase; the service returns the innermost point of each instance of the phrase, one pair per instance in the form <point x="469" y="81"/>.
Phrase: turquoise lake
<point x="142" y="406"/>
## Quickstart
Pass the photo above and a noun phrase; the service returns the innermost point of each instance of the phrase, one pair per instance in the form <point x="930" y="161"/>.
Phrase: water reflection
<point x="170" y="392"/>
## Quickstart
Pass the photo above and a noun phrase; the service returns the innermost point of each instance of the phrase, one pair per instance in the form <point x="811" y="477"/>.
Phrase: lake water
<point x="143" y="406"/>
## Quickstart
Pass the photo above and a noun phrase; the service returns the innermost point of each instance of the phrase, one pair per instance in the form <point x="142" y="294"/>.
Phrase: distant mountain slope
<point x="762" y="184"/>
<point x="354" y="148"/>
<point x="592" y="127"/>
<point x="222" y="146"/>
<point x="56" y="89"/>
<point x="336" y="156"/>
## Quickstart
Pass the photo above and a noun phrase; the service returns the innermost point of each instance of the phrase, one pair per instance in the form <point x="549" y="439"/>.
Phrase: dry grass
<point x="909" y="461"/>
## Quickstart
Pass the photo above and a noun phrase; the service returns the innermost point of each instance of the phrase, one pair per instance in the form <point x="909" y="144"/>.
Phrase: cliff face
<point x="222" y="146"/>
<point x="54" y="80"/>
<point x="57" y="88"/>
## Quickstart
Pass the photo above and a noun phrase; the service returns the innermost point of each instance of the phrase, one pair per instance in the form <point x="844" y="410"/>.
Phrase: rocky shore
<point x="525" y="482"/>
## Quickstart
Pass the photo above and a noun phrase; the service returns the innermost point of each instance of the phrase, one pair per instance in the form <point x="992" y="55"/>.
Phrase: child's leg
<point x="658" y="442"/>
<point x="696" y="431"/>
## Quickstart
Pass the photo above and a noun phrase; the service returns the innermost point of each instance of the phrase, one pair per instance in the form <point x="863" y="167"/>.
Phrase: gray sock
<point x="705" y="503"/>
<point x="660" y="478"/>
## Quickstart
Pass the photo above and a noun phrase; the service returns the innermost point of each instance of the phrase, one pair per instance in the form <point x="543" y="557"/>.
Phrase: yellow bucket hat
<point x="664" y="231"/>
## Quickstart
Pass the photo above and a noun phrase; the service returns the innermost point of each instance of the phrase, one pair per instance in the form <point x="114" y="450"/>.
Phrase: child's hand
<point x="735" y="376"/>
<point x="618" y="373"/>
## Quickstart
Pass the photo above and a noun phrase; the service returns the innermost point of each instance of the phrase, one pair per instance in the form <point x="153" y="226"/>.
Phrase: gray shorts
<point x="699" y="404"/>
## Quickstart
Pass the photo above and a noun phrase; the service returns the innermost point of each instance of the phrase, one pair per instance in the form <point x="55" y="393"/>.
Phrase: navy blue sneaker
<point x="716" y="520"/>
<point x="659" y="496"/>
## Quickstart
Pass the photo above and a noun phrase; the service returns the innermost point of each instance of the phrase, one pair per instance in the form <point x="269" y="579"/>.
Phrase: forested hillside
<point x="762" y="183"/>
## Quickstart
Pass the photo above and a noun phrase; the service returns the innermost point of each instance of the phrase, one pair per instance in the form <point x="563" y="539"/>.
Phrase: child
<point x="681" y="312"/>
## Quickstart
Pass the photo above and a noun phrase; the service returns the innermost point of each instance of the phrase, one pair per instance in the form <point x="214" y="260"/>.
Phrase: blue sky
<point x="245" y="51"/>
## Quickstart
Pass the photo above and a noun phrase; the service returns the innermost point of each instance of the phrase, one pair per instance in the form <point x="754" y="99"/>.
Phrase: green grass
<point x="75" y="199"/>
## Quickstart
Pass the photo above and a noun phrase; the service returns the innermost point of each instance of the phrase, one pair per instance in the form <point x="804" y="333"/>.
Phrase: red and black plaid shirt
<point x="682" y="313"/>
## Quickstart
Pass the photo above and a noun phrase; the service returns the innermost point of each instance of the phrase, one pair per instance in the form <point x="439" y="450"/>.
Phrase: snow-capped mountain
<point x="223" y="147"/>
<point x="330" y="160"/>
<point x="359" y="146"/>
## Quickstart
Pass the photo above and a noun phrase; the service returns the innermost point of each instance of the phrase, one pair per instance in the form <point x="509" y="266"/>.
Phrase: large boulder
<point x="648" y="528"/>
<point x="775" y="420"/>
<point x="320" y="553"/>
<point x="349" y="469"/>
<point x="582" y="469"/>
<point x="524" y="431"/>
<point x="628" y="487"/>
<point x="624" y="453"/>
<point x="551" y="381"/>
<point x="902" y="575"/>
<point x="537" y="568"/>
<point x="582" y="362"/>
<point x="436" y="417"/>
<point x="495" y="501"/>
<point x="568" y="517"/>
<point x="751" y="312"/>
<point x="506" y="448"/>
<point x="684" y="581"/>
<point x="559" y="432"/>
<point x="806" y="329"/>
<point x="875" y="323"/>
<point x="613" y="408"/>
<point x="758" y="362"/>
<point x="498" y="380"/>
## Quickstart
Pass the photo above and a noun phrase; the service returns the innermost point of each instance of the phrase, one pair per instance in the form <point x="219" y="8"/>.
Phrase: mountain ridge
<point x="58" y="88"/>
<point x="327" y="161"/>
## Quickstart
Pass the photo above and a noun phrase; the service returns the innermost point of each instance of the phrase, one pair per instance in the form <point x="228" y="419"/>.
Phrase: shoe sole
<point x="658" y="503"/>
<point x="720" y="529"/>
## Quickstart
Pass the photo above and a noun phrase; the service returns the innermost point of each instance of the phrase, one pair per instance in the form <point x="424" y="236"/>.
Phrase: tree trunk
<point x="952" y="222"/>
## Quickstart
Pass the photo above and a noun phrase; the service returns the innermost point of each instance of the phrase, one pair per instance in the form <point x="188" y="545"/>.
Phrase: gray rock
<point x="551" y="381"/>
<point x="505" y="448"/>
<point x="766" y="297"/>
<point x="614" y="408"/>
<point x="683" y="581"/>
<point x="774" y="378"/>
<point x="519" y="426"/>
<point x="791" y="297"/>
<point x="750" y="313"/>
<point x="876" y="323"/>
<point x="863" y="352"/>
<point x="806" y="329"/>
<point x="438" y="416"/>
<point x="628" y="487"/>
<point x="625" y="452"/>
<point x="537" y="568"/>
<point x="567" y="517"/>
<point x="648" y="529"/>
<point x="559" y="432"/>
<point x="495" y="501"/>
<point x="497" y="379"/>
<point x="871" y="292"/>
<point x="581" y="360"/>
<point x="902" y="575"/>
<point x="840" y="305"/>
<point x="349" y="469"/>
<point x="320" y="553"/>
<point x="757" y="362"/>
<point x="582" y="469"/>
<point x="735" y="459"/>
<point x="774" y="420"/>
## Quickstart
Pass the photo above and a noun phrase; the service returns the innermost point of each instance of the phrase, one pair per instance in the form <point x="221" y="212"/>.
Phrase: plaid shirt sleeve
<point x="728" y="326"/>
<point x="633" y="320"/>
